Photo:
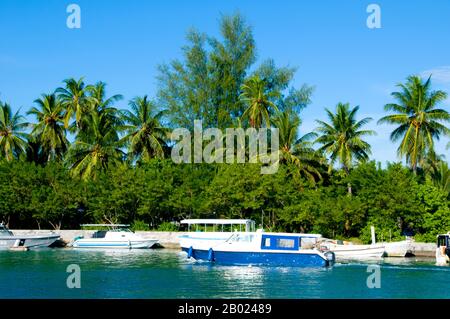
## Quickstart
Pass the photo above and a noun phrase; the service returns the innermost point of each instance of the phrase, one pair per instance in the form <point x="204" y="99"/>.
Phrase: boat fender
<point x="190" y="252"/>
<point x="210" y="254"/>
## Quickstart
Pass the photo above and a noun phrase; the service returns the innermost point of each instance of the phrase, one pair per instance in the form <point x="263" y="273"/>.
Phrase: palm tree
<point x="417" y="117"/>
<point x="98" y="102"/>
<point x="50" y="127"/>
<point x="12" y="137"/>
<point x="441" y="177"/>
<point x="258" y="100"/>
<point x="74" y="99"/>
<point x="342" y="139"/>
<point x="145" y="134"/>
<point x="435" y="167"/>
<point x="96" y="147"/>
<point x="297" y="151"/>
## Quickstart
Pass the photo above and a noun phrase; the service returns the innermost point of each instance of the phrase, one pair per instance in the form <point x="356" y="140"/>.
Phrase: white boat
<point x="443" y="249"/>
<point x="269" y="249"/>
<point x="404" y="248"/>
<point x="10" y="241"/>
<point x="344" y="251"/>
<point x="207" y="233"/>
<point x="118" y="236"/>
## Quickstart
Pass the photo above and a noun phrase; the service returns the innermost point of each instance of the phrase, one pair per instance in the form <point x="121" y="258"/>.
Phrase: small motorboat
<point x="117" y="236"/>
<point x="10" y="241"/>
<point x="404" y="248"/>
<point x="260" y="248"/>
<point x="350" y="251"/>
<point x="443" y="249"/>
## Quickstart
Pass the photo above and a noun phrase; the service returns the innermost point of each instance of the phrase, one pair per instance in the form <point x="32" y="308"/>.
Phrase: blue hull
<point x="263" y="258"/>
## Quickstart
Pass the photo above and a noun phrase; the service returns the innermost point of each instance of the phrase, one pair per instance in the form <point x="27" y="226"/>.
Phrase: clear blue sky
<point x="122" y="42"/>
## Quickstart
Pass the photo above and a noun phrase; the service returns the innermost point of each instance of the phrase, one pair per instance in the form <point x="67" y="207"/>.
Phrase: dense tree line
<point x="116" y="164"/>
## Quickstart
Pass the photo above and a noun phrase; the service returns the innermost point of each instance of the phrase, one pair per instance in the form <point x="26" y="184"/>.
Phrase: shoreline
<point x="169" y="240"/>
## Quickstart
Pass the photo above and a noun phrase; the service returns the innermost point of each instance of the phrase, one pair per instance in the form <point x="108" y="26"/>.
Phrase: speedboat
<point x="260" y="248"/>
<point x="443" y="249"/>
<point x="117" y="236"/>
<point x="10" y="241"/>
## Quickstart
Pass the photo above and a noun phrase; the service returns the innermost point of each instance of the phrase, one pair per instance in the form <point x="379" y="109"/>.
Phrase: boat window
<point x="267" y="242"/>
<point x="241" y="238"/>
<point x="99" y="234"/>
<point x="285" y="243"/>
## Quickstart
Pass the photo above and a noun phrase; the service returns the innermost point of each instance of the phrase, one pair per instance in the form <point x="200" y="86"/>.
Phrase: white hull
<point x="203" y="240"/>
<point x="441" y="258"/>
<point x="399" y="249"/>
<point x="28" y="241"/>
<point x="110" y="244"/>
<point x="357" y="251"/>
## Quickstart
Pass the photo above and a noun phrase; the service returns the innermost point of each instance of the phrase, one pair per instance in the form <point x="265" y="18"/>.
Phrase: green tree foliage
<point x="419" y="121"/>
<point x="74" y="99"/>
<point x="12" y="137"/>
<point x="49" y="130"/>
<point x="145" y="134"/>
<point x="341" y="139"/>
<point x="96" y="147"/>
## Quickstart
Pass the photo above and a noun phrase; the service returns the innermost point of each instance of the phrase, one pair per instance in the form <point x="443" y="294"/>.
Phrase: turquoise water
<point x="164" y="273"/>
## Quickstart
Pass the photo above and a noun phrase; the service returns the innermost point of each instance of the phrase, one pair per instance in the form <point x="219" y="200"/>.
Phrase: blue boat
<point x="259" y="248"/>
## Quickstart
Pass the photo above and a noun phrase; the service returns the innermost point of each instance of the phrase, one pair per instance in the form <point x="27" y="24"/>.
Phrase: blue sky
<point x="122" y="43"/>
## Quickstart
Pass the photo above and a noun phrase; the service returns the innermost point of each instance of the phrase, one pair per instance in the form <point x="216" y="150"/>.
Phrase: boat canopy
<point x="249" y="224"/>
<point x="217" y="221"/>
<point x="105" y="225"/>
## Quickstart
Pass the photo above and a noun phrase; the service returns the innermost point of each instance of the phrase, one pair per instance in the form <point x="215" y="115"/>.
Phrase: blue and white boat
<point x="260" y="248"/>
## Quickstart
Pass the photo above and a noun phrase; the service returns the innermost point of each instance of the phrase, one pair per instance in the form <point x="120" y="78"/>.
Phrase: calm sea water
<point x="165" y="273"/>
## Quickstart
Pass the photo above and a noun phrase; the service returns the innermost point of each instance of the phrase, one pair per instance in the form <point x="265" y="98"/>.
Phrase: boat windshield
<point x="4" y="231"/>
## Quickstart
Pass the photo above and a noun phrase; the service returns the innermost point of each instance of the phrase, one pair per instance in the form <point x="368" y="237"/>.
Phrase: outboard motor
<point x="331" y="258"/>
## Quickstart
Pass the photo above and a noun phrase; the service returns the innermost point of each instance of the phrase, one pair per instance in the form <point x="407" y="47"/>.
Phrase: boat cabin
<point x="278" y="241"/>
<point x="219" y="225"/>
<point x="110" y="228"/>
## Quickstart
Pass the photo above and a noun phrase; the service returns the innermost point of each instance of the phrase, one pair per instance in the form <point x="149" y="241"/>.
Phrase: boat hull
<point x="27" y="241"/>
<point x="104" y="244"/>
<point x="352" y="251"/>
<point x="259" y="258"/>
<point x="399" y="249"/>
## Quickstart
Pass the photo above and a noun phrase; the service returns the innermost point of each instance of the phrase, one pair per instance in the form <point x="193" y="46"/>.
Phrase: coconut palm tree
<point x="49" y="129"/>
<point x="418" y="119"/>
<point x="341" y="139"/>
<point x="258" y="100"/>
<point x="12" y="137"/>
<point x="145" y="135"/>
<point x="98" y="102"/>
<point x="294" y="150"/>
<point x="96" y="147"/>
<point x="74" y="99"/>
